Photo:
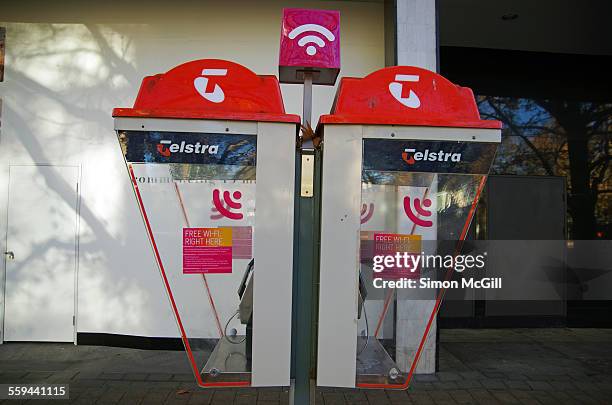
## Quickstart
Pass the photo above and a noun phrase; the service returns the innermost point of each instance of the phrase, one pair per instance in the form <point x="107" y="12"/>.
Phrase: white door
<point x="41" y="253"/>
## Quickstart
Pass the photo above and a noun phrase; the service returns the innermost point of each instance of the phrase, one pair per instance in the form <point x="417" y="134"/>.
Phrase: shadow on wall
<point x="62" y="82"/>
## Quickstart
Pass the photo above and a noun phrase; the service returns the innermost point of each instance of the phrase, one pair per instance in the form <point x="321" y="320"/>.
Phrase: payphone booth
<point x="210" y="153"/>
<point x="405" y="158"/>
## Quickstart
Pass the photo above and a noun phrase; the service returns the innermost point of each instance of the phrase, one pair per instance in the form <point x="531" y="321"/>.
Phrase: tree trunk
<point x="581" y="200"/>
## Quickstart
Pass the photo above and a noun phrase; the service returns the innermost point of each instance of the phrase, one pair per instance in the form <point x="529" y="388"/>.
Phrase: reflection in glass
<point x="411" y="212"/>
<point x="560" y="138"/>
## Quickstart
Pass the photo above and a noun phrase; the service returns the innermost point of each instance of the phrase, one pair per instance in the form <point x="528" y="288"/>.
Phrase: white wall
<point x="69" y="63"/>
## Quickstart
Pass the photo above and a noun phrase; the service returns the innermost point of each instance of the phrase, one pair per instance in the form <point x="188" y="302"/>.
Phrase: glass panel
<point x="414" y="215"/>
<point x="196" y="193"/>
<point x="554" y="137"/>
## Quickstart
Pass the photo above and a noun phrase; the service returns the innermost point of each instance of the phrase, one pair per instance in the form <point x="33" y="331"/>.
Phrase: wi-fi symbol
<point x="224" y="207"/>
<point x="365" y="213"/>
<point x="420" y="211"/>
<point x="308" y="39"/>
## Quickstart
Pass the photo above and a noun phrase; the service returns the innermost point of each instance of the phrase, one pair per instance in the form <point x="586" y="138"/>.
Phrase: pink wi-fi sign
<point x="310" y="41"/>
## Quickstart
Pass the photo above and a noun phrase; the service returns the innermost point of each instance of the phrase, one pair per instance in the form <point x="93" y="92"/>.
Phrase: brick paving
<point x="504" y="366"/>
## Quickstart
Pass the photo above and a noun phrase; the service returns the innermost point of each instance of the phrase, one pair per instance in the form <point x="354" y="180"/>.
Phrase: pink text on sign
<point x="207" y="250"/>
<point x="390" y="244"/>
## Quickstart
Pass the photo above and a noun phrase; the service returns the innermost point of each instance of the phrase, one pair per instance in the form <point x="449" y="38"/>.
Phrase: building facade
<point x="82" y="267"/>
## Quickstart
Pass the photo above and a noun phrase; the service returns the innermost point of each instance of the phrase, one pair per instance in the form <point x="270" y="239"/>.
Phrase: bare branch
<point x="514" y="129"/>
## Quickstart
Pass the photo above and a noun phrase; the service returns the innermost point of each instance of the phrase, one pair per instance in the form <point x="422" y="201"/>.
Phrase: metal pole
<point x="302" y="388"/>
<point x="307" y="108"/>
<point x="303" y="334"/>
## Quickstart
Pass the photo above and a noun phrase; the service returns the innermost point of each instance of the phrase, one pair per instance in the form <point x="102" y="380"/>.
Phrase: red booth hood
<point x="211" y="89"/>
<point x="405" y="95"/>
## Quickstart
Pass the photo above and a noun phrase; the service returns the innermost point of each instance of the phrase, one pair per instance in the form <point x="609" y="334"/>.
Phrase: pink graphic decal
<point x="310" y="39"/>
<point x="224" y="207"/>
<point x="207" y="250"/>
<point x="365" y="213"/>
<point x="420" y="211"/>
<point x="215" y="215"/>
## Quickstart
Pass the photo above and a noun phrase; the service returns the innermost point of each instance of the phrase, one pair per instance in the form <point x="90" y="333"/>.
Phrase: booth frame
<point x="272" y="244"/>
<point x="339" y="260"/>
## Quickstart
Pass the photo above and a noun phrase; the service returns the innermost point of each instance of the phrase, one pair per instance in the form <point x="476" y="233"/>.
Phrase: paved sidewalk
<point x="531" y="366"/>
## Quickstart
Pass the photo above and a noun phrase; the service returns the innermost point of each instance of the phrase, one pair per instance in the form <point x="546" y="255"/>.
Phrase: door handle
<point x="10" y="255"/>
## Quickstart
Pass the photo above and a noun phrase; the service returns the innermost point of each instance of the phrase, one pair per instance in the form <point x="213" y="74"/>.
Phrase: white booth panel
<point x="340" y="222"/>
<point x="273" y="247"/>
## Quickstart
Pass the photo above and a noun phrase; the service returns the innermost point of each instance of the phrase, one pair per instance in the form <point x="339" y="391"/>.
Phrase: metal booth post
<point x="210" y="154"/>
<point x="309" y="54"/>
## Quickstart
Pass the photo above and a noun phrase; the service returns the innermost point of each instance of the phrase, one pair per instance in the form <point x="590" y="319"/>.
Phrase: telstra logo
<point x="411" y="156"/>
<point x="167" y="148"/>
